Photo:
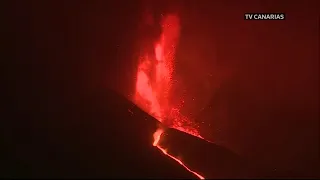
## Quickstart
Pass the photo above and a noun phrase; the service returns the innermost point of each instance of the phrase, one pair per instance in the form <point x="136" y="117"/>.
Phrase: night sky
<point x="69" y="68"/>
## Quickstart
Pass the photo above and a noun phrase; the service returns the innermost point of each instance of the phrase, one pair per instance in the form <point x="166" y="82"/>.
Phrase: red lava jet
<point x="154" y="84"/>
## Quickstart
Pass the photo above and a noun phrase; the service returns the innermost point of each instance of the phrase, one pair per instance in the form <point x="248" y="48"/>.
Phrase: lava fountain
<point x="154" y="84"/>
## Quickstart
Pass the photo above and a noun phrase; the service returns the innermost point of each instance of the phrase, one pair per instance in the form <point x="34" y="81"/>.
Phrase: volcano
<point x="61" y="120"/>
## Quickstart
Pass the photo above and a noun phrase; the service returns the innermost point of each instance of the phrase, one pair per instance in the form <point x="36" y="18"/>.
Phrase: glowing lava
<point x="155" y="81"/>
<point x="157" y="136"/>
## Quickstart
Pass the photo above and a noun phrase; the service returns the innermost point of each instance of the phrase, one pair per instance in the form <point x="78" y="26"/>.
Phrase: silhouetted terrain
<point x="91" y="137"/>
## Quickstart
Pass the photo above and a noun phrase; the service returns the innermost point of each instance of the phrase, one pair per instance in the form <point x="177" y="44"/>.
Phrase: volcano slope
<point x="97" y="137"/>
<point x="104" y="136"/>
<point x="207" y="158"/>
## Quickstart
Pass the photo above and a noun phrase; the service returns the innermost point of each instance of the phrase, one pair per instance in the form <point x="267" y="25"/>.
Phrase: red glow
<point x="154" y="83"/>
<point x="155" y="80"/>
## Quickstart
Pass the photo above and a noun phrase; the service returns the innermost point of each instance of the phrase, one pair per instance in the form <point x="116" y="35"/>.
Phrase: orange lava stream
<point x="157" y="137"/>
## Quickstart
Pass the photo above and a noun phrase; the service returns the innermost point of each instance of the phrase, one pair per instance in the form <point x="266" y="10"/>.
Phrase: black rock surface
<point x="97" y="137"/>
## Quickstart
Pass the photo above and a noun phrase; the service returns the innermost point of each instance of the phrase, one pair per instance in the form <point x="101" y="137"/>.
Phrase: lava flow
<point x="157" y="136"/>
<point x="155" y="81"/>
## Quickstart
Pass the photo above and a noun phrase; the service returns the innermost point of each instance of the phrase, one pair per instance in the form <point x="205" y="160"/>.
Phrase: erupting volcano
<point x="155" y="79"/>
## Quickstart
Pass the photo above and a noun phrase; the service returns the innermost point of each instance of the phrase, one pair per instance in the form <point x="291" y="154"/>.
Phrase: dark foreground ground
<point x="95" y="137"/>
<point x="98" y="137"/>
<point x="104" y="136"/>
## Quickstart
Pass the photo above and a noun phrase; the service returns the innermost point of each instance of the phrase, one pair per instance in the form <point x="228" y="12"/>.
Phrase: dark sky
<point x="256" y="82"/>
